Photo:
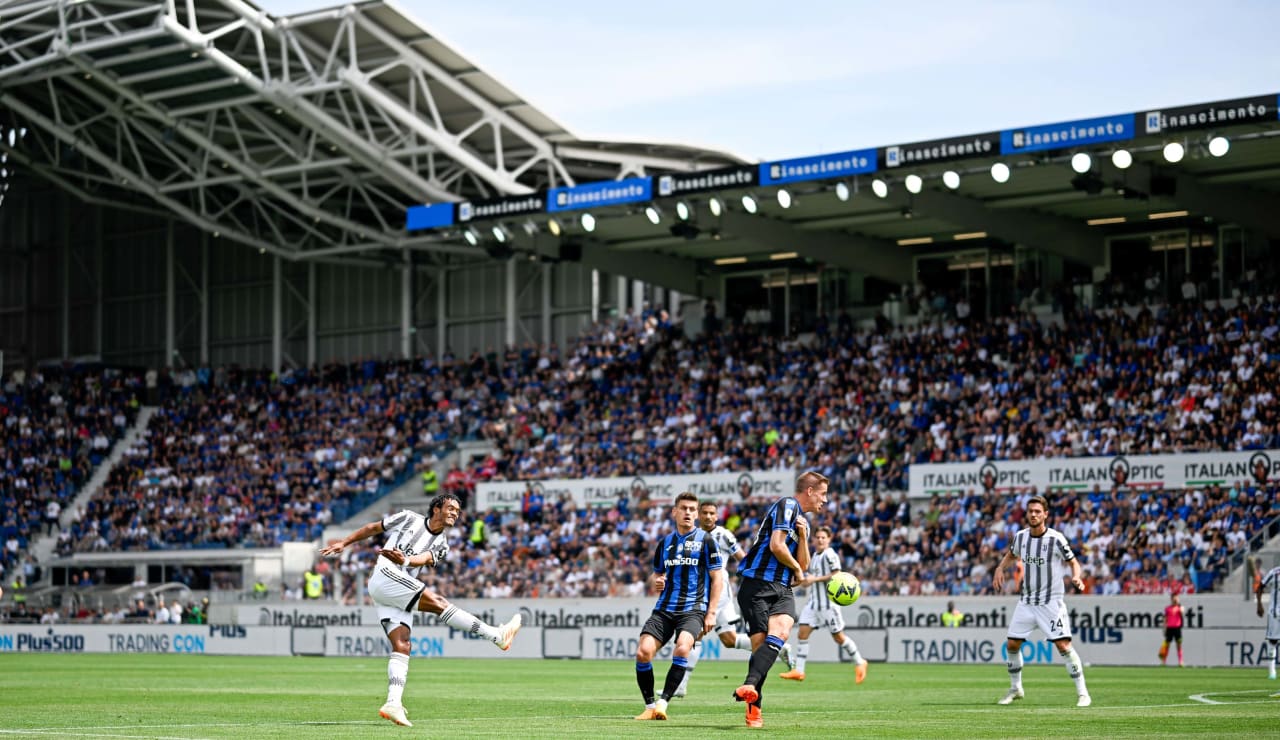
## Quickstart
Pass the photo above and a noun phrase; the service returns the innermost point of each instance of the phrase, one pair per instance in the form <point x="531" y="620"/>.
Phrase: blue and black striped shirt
<point x="687" y="561"/>
<point x="760" y="562"/>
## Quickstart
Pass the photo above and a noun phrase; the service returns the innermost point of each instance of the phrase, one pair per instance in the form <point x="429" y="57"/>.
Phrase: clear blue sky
<point x="771" y="80"/>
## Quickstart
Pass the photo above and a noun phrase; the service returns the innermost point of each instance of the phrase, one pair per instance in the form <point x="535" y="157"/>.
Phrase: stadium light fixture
<point x="784" y="197"/>
<point x="1121" y="158"/>
<point x="880" y="188"/>
<point x="749" y="203"/>
<point x="530" y="228"/>
<point x="501" y="233"/>
<point x="653" y="213"/>
<point x="554" y="226"/>
<point x="1081" y="162"/>
<point x="914" y="183"/>
<point x="1173" y="152"/>
<point x="1219" y="146"/>
<point x="951" y="179"/>
<point x="715" y="205"/>
<point x="1000" y="172"/>
<point x="683" y="210"/>
<point x="472" y="236"/>
<point x="842" y="191"/>
<point x="588" y="222"/>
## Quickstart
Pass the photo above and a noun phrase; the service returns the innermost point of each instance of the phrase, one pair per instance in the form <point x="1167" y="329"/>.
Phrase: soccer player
<point x="821" y="611"/>
<point x="1271" y="580"/>
<point x="1172" y="629"/>
<point x="414" y="542"/>
<point x="1043" y="553"/>
<point x="777" y="558"/>
<point x="726" y="611"/>
<point x="689" y="572"/>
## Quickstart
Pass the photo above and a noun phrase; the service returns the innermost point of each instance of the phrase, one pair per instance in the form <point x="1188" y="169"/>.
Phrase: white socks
<point x="850" y="648"/>
<point x="465" y="622"/>
<point x="397" y="673"/>
<point x="1014" y="663"/>
<point x="802" y="655"/>
<point x="743" y="642"/>
<point x="693" y="657"/>
<point x="1075" y="669"/>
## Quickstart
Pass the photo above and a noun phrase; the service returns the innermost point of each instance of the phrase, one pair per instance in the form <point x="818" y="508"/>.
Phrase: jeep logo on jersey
<point x="1036" y="561"/>
<point x="1119" y="471"/>
<point x="1260" y="467"/>
<point x="988" y="475"/>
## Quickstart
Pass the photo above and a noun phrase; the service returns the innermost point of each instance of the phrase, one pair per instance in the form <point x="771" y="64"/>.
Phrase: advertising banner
<point x="515" y="205"/>
<point x="202" y="639"/>
<point x="820" y="167"/>
<point x="1083" y="473"/>
<point x="1210" y="115"/>
<point x="590" y="492"/>
<point x="940" y="150"/>
<point x="725" y="178"/>
<point x="1067" y="134"/>
<point x="599" y="194"/>
<point x="432" y="216"/>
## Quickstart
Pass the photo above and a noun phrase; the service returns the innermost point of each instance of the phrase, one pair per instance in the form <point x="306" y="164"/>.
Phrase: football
<point x="844" y="588"/>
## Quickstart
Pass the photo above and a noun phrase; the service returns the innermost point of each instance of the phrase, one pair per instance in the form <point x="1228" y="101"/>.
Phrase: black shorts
<point x="758" y="600"/>
<point x="1172" y="633"/>
<point x="666" y="625"/>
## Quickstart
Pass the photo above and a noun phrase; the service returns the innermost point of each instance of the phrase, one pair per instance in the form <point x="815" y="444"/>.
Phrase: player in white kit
<point x="822" y="612"/>
<point x="1271" y="582"/>
<point x="1045" y="555"/>
<point x="412" y="543"/>
<point x="727" y="612"/>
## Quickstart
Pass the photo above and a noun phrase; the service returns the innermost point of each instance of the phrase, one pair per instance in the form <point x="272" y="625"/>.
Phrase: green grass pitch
<point x="169" y="696"/>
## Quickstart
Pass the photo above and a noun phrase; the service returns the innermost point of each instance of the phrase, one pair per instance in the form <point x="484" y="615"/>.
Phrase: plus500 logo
<point x="1099" y="635"/>
<point x="47" y="643"/>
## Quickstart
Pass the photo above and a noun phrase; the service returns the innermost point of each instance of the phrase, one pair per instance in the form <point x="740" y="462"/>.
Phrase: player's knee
<point x="432" y="602"/>
<point x="729" y="639"/>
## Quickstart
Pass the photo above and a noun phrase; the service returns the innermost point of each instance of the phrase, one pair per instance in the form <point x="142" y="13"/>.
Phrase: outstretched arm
<point x="364" y="532"/>
<point x="997" y="578"/>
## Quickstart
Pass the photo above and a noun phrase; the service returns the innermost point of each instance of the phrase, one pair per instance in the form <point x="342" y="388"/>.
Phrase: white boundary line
<point x="1203" y="698"/>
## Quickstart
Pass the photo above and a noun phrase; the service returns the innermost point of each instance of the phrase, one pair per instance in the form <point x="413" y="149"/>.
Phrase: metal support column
<point x="170" y="298"/>
<point x="406" y="306"/>
<point x="65" y="314"/>
<point x="99" y="304"/>
<point x="277" y="313"/>
<point x="595" y="296"/>
<point x="204" y="299"/>
<point x="548" y="270"/>
<point x="510" y="323"/>
<point x="311" y="314"/>
<point x="621" y="297"/>
<point x="442" y="321"/>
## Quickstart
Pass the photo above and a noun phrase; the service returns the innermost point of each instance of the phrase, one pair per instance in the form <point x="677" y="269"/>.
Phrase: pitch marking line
<point x="1204" y="698"/>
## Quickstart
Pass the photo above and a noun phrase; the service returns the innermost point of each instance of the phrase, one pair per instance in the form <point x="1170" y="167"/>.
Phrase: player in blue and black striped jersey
<point x="688" y="569"/>
<point x="778" y="557"/>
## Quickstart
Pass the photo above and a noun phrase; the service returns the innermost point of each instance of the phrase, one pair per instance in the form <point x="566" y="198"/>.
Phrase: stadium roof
<point x="308" y="135"/>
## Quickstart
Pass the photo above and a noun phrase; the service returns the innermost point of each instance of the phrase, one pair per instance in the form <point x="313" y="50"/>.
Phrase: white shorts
<point x="395" y="593"/>
<point x="1273" y="626"/>
<point x="830" y="618"/>
<point x="727" y="611"/>
<point x="1051" y="618"/>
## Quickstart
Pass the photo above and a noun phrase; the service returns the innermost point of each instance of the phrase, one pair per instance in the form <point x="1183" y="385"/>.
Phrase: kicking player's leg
<point x="459" y="619"/>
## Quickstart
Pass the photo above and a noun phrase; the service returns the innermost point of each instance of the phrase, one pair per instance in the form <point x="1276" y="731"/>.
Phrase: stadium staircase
<point x="44" y="545"/>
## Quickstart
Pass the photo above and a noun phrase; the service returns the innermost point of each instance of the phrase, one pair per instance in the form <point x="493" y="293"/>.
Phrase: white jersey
<point x="822" y="564"/>
<point x="725" y="541"/>
<point x="407" y="532"/>
<point x="1044" y="560"/>
<point x="1271" y="581"/>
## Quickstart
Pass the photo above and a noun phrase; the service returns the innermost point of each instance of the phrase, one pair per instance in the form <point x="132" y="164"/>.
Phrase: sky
<point x="773" y="80"/>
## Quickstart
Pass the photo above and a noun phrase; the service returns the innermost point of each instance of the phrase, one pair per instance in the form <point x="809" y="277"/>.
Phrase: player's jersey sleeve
<point x="1015" y="544"/>
<point x="784" y="515"/>
<point x="1064" y="547"/>
<point x="395" y="521"/>
<point x="711" y="553"/>
<point x="1271" y="576"/>
<point x="832" y="559"/>
<point x="659" y="566"/>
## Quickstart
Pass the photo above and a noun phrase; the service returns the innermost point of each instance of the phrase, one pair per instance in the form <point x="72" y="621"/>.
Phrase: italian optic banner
<point x="1083" y="473"/>
<point x="661" y="488"/>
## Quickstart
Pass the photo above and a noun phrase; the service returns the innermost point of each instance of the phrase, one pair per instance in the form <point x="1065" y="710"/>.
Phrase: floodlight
<point x="842" y="191"/>
<point x="1219" y="146"/>
<point x="715" y="206"/>
<point x="880" y="188"/>
<point x="683" y="210"/>
<point x="653" y="213"/>
<point x="588" y="222"/>
<point x="784" y="197"/>
<point x="1081" y="162"/>
<point x="472" y="236"/>
<point x="914" y="184"/>
<point x="1121" y="158"/>
<point x="1000" y="172"/>
<point x="749" y="203"/>
<point x="1173" y="152"/>
<point x="951" y="179"/>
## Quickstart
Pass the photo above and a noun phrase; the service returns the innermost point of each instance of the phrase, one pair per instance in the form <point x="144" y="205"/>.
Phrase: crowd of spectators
<point x="56" y="425"/>
<point x="1129" y="541"/>
<point x="249" y="458"/>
